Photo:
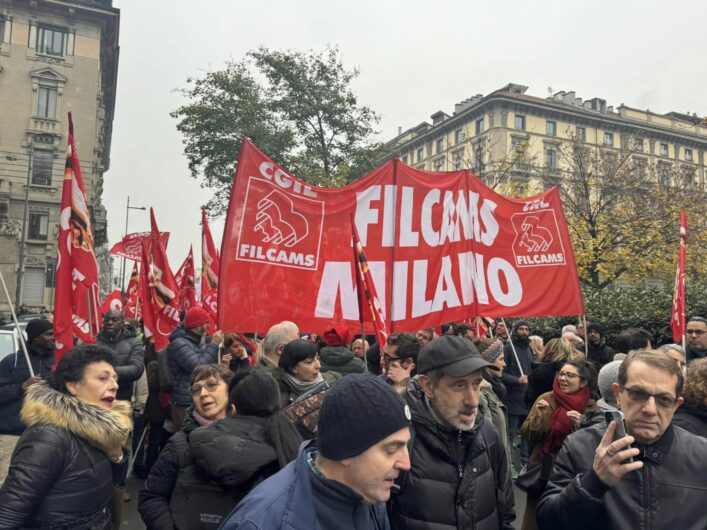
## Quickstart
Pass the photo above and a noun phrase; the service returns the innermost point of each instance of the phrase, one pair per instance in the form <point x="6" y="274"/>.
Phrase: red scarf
<point x="560" y="423"/>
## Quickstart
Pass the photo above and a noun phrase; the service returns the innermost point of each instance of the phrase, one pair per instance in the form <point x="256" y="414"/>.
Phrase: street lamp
<point x="122" y="268"/>
<point x="23" y="240"/>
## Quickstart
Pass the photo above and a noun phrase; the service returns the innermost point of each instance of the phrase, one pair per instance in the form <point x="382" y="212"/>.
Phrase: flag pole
<point x="586" y="342"/>
<point x="90" y="316"/>
<point x="513" y="349"/>
<point x="363" y="341"/>
<point x="20" y="333"/>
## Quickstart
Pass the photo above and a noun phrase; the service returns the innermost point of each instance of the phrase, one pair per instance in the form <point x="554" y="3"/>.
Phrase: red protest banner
<point x="441" y="247"/>
<point x="112" y="302"/>
<point x="185" y="283"/>
<point x="210" y="265"/>
<point x="130" y="247"/>
<point x="677" y="320"/>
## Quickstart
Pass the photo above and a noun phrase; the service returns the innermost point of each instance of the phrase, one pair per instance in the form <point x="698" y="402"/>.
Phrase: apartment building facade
<point x="55" y="56"/>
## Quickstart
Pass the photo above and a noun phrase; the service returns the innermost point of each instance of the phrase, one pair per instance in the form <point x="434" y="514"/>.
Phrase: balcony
<point x="44" y="126"/>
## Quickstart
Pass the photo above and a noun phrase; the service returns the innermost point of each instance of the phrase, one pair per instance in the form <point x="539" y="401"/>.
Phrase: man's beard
<point x="451" y="416"/>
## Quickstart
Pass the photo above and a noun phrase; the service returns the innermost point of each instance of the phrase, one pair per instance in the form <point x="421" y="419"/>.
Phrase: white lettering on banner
<point x="498" y="278"/>
<point x="475" y="215"/>
<point x="284" y="181"/>
<point x="540" y="259"/>
<point x="275" y="256"/>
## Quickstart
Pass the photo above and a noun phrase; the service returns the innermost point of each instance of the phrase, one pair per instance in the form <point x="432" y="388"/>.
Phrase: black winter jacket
<point x="668" y="493"/>
<point x="692" y="419"/>
<point x="515" y="391"/>
<point x="129" y="355"/>
<point x="58" y="478"/>
<point x="14" y="372"/>
<point x="600" y="354"/>
<point x="153" y="503"/>
<point x="540" y="381"/>
<point x="185" y="353"/>
<point x="340" y="359"/>
<point x="234" y="453"/>
<point x="459" y="479"/>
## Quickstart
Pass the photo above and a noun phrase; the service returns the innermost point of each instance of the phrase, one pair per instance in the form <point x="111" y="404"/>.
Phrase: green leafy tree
<point x="298" y="107"/>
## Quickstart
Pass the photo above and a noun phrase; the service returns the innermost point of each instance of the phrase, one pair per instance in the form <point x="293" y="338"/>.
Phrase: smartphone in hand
<point x="618" y="417"/>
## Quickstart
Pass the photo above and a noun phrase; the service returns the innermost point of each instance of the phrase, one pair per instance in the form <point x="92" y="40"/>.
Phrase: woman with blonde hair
<point x="536" y="344"/>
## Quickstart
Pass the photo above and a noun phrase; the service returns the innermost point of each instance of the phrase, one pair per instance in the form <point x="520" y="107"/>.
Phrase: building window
<point x="46" y="102"/>
<point x="440" y="145"/>
<point x="458" y="136"/>
<point x="550" y="159"/>
<point x="639" y="145"/>
<point x="479" y="155"/>
<point x="42" y="167"/>
<point x="665" y="175"/>
<point x="2" y="30"/>
<point x="520" y="147"/>
<point x="479" y="126"/>
<point x="581" y="134"/>
<point x="688" y="155"/>
<point x="663" y="149"/>
<point x="551" y="128"/>
<point x="439" y="164"/>
<point x="420" y="154"/>
<point x="38" y="226"/>
<point x="51" y="41"/>
<point x="405" y="159"/>
<point x="520" y="123"/>
<point x="609" y="139"/>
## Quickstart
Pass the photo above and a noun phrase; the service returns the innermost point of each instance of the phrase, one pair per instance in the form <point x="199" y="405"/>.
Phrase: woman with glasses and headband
<point x="553" y="417"/>
<point x="209" y="391"/>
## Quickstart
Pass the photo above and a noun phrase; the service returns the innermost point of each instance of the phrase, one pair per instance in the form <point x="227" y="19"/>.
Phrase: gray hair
<point x="569" y="327"/>
<point x="698" y="319"/>
<point x="278" y="335"/>
<point x="665" y="347"/>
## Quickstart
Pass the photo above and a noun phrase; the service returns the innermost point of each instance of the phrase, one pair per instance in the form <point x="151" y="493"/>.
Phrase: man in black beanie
<point x="515" y="377"/>
<point x="15" y="379"/>
<point x="460" y="476"/>
<point x="342" y="481"/>
<point x="597" y="350"/>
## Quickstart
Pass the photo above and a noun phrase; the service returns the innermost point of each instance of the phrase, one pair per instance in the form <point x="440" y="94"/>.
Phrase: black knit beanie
<point x="357" y="413"/>
<point x="37" y="327"/>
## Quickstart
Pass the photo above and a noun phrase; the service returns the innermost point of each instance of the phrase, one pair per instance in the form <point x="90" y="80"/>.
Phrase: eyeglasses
<point x="568" y="375"/>
<point x="388" y="359"/>
<point x="210" y="387"/>
<point x="697" y="332"/>
<point x="638" y="395"/>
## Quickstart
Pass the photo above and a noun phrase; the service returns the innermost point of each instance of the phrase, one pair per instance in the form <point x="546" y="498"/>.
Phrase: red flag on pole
<point x="210" y="265"/>
<point x="677" y="322"/>
<point x="130" y="247"/>
<point x="112" y="302"/>
<point x="160" y="291"/>
<point x="365" y="282"/>
<point x="76" y="298"/>
<point x="132" y="298"/>
<point x="185" y="283"/>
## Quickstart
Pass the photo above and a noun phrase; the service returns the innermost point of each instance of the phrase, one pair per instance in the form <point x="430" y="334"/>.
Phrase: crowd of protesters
<point x="331" y="431"/>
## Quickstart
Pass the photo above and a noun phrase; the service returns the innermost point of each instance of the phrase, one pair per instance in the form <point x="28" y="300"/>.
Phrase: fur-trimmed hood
<point x="102" y="428"/>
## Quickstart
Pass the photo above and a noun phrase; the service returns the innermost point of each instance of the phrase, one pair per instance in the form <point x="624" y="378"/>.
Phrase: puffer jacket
<point x="60" y="475"/>
<point x="129" y="356"/>
<point x="494" y="410"/>
<point x="288" y="392"/>
<point x="669" y="492"/>
<point x="153" y="503"/>
<point x="185" y="353"/>
<point x="340" y="359"/>
<point x="234" y="453"/>
<point x="459" y="479"/>
<point x="14" y="372"/>
<point x="692" y="419"/>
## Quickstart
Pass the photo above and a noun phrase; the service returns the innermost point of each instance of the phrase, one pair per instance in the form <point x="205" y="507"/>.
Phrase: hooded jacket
<point x="340" y="359"/>
<point x="129" y="356"/>
<point x="156" y="492"/>
<point x="692" y="419"/>
<point x="285" y="500"/>
<point x="458" y="479"/>
<point x="668" y="492"/>
<point x="14" y="372"/>
<point x="185" y="353"/>
<point x="60" y="475"/>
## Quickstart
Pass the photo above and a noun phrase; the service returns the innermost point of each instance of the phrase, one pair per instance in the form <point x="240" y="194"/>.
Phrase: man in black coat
<point x="597" y="349"/>
<point x="15" y="379"/>
<point x="515" y="378"/>
<point x="595" y="485"/>
<point x="459" y="464"/>
<point x="128" y="351"/>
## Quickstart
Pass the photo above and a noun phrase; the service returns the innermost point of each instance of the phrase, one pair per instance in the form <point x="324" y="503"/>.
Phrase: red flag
<point x="185" y="283"/>
<point x="130" y="247"/>
<point x="210" y="265"/>
<point x="132" y="298"/>
<point x="677" y="322"/>
<point x="160" y="291"/>
<point x="76" y="298"/>
<point x="365" y="282"/>
<point x="112" y="302"/>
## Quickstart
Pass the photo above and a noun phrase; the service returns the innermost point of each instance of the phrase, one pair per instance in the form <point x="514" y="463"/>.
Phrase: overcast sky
<point x="415" y="58"/>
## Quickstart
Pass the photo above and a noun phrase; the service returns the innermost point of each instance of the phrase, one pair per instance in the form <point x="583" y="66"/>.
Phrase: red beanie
<point x="195" y="317"/>
<point x="338" y="336"/>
